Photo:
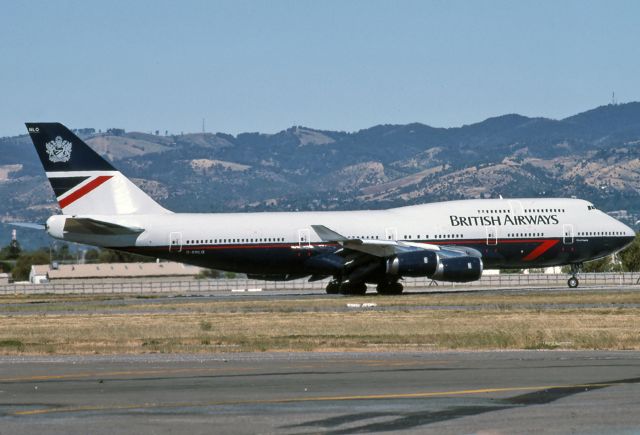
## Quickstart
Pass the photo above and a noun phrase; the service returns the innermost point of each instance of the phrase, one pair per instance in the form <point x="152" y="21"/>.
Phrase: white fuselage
<point x="474" y="223"/>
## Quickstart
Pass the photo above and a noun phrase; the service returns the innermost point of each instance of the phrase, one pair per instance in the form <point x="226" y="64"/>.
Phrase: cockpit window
<point x="591" y="207"/>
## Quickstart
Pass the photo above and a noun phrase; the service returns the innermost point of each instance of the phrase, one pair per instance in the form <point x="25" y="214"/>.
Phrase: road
<point x="432" y="392"/>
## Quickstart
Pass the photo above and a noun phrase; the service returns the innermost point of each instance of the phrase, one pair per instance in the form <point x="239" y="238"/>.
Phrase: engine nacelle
<point x="415" y="263"/>
<point x="459" y="269"/>
<point x="428" y="263"/>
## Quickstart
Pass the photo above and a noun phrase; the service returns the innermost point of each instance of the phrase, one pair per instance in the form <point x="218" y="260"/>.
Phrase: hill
<point x="592" y="155"/>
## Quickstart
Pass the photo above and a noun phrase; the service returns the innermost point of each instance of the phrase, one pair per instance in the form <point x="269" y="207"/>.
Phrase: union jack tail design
<point x="85" y="183"/>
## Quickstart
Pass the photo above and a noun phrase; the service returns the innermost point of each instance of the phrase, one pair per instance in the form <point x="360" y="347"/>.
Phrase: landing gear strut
<point x="573" y="281"/>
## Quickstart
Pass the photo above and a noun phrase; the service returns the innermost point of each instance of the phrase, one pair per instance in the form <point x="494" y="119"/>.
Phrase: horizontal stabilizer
<point x="30" y="225"/>
<point x="94" y="226"/>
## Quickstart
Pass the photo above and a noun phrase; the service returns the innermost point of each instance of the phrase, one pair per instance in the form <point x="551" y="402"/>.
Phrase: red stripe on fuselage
<point x="544" y="247"/>
<point x="76" y="195"/>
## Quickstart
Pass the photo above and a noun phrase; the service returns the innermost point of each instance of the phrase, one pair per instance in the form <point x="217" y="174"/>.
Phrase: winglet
<point x="327" y="235"/>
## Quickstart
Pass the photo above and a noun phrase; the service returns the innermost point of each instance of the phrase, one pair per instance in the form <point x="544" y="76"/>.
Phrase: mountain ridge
<point x="593" y="155"/>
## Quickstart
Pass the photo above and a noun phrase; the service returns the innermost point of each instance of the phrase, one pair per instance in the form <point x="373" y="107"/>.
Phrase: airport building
<point x="68" y="273"/>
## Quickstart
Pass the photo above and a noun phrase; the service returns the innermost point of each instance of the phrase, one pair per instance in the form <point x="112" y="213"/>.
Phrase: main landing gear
<point x="333" y="288"/>
<point x="389" y="288"/>
<point x="573" y="281"/>
<point x="346" y="288"/>
<point x="359" y="288"/>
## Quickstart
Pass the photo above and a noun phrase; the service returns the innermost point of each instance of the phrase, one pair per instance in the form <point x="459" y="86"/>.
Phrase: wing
<point x="389" y="248"/>
<point x="377" y="248"/>
<point x="365" y="258"/>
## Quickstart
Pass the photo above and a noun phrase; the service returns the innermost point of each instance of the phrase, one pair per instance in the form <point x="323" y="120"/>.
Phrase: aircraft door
<point x="304" y="237"/>
<point x="516" y="207"/>
<point x="391" y="233"/>
<point x="567" y="234"/>
<point x="175" y="242"/>
<point x="492" y="235"/>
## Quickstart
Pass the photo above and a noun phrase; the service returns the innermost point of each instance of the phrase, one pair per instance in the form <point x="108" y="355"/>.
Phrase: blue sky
<point x="343" y="65"/>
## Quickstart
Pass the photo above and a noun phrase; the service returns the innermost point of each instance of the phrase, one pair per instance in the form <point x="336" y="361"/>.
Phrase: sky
<point x="336" y="65"/>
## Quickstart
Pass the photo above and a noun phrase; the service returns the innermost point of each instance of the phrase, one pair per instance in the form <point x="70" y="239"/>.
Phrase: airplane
<point x="446" y="241"/>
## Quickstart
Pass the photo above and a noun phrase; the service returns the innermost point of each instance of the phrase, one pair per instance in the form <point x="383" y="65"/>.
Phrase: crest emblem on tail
<point x="59" y="150"/>
<point x="83" y="181"/>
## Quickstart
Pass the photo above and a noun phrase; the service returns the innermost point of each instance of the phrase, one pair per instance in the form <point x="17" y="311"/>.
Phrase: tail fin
<point x="84" y="182"/>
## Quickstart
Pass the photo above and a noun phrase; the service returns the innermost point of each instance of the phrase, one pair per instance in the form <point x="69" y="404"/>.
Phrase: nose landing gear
<point x="573" y="281"/>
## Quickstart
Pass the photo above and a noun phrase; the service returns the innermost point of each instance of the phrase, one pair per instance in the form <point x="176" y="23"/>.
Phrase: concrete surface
<point x="448" y="392"/>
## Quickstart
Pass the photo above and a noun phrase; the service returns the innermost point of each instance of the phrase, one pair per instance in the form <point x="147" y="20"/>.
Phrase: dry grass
<point x="79" y="303"/>
<point x="322" y="324"/>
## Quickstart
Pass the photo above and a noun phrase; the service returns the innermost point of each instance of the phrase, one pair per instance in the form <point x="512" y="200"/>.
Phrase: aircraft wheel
<point x="389" y="288"/>
<point x="359" y="289"/>
<point x="573" y="282"/>
<point x="353" y="288"/>
<point x="333" y="288"/>
<point x="382" y="288"/>
<point x="397" y="288"/>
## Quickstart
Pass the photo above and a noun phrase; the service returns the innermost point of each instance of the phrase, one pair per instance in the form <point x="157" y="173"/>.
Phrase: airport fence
<point x="212" y="286"/>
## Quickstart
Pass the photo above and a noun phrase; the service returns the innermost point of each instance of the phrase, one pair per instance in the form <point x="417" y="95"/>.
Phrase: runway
<point x="426" y="392"/>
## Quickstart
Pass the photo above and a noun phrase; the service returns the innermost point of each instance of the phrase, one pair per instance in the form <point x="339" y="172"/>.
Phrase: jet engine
<point x="415" y="263"/>
<point x="459" y="268"/>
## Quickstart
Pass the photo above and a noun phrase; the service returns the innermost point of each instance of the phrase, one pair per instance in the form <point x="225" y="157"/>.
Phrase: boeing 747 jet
<point x="446" y="241"/>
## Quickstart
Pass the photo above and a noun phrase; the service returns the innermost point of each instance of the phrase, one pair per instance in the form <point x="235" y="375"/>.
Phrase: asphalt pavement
<point x="432" y="392"/>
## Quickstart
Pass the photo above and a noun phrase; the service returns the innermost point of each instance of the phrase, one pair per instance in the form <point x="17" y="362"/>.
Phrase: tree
<point x="208" y="274"/>
<point x="64" y="253"/>
<point x="23" y="266"/>
<point x="11" y="251"/>
<point x="14" y="250"/>
<point x="600" y="265"/>
<point x="111" y="256"/>
<point x="511" y="271"/>
<point x="630" y="257"/>
<point x="92" y="255"/>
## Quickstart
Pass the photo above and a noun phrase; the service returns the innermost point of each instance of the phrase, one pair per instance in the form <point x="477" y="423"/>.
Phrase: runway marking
<point x="421" y="395"/>
<point x="84" y="375"/>
<point x="123" y="373"/>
